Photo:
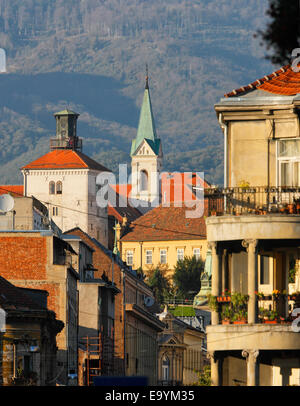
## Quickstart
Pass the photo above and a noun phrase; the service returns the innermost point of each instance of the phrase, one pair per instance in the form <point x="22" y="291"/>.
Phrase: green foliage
<point x="183" y="311"/>
<point x="227" y="312"/>
<point x="159" y="285"/>
<point x="186" y="276"/>
<point x="212" y="302"/>
<point x="292" y="270"/>
<point x="204" y="377"/>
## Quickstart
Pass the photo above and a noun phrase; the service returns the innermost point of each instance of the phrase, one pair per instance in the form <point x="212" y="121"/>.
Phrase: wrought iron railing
<point x="253" y="200"/>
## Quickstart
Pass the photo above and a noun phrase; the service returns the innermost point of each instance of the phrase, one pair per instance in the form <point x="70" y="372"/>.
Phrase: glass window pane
<point x="163" y="256"/>
<point x="149" y="257"/>
<point x="197" y="253"/>
<point x="285" y="174"/>
<point x="180" y="254"/>
<point x="296" y="166"/>
<point x="289" y="148"/>
<point x="129" y="257"/>
<point x="264" y="270"/>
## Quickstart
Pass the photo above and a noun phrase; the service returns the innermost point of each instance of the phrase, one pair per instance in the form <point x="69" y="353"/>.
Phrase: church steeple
<point x="146" y="154"/>
<point x="146" y="128"/>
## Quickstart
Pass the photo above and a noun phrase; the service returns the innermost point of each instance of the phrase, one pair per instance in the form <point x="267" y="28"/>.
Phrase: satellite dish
<point x="6" y="203"/>
<point x="148" y="301"/>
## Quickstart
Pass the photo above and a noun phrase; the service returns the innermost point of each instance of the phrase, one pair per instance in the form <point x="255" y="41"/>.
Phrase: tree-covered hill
<point x="90" y="56"/>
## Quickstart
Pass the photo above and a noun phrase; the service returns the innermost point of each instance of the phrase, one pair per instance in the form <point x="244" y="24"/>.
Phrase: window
<point x="148" y="257"/>
<point x="264" y="270"/>
<point x="51" y="188"/>
<point x="163" y="256"/>
<point x="196" y="252"/>
<point x="58" y="188"/>
<point x="55" y="211"/>
<point x="129" y="258"/>
<point x="165" y="368"/>
<point x="288" y="153"/>
<point x="143" y="180"/>
<point x="180" y="254"/>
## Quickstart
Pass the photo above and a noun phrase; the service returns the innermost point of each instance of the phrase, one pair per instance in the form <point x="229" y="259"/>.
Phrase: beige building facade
<point x="256" y="235"/>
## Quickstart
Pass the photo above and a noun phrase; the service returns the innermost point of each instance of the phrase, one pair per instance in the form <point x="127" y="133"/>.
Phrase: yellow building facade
<point x="162" y="237"/>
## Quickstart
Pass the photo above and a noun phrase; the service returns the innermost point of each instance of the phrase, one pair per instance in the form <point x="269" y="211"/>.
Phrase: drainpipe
<point x="224" y="127"/>
<point x="25" y="172"/>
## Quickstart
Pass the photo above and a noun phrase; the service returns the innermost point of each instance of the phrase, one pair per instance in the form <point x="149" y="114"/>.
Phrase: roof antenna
<point x="147" y="77"/>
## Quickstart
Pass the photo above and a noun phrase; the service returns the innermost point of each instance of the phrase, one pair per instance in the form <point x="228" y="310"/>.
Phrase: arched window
<point x="52" y="188"/>
<point x="143" y="180"/>
<point x="165" y="368"/>
<point x="58" y="188"/>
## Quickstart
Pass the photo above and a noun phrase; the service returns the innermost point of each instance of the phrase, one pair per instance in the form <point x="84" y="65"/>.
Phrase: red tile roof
<point x="65" y="159"/>
<point x="166" y="224"/>
<point x="176" y="188"/>
<point x="282" y="82"/>
<point x="118" y="211"/>
<point x="14" y="190"/>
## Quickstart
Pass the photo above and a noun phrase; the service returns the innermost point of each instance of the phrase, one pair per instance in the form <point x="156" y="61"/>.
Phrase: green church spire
<point x="146" y="128"/>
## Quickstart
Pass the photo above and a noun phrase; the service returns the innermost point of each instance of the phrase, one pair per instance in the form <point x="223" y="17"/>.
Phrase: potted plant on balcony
<point x="240" y="317"/>
<point x="239" y="300"/>
<point x="297" y="204"/>
<point x="239" y="307"/>
<point x="271" y="317"/>
<point x="226" y="314"/>
<point x="262" y="314"/>
<point x="276" y="294"/>
<point x="260" y="295"/>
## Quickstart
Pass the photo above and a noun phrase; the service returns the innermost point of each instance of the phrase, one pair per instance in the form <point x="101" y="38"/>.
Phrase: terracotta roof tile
<point x="65" y="159"/>
<point x="166" y="224"/>
<point x="14" y="190"/>
<point x="284" y="82"/>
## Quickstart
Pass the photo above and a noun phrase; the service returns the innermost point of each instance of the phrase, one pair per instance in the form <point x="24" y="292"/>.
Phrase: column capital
<point x="250" y="243"/>
<point x="212" y="355"/>
<point x="253" y="354"/>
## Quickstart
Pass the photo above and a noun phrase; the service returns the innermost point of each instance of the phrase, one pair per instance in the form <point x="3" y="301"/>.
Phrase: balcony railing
<point x="253" y="200"/>
<point x="66" y="143"/>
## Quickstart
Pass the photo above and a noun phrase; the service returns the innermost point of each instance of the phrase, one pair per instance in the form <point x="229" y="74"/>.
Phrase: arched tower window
<point x="58" y="188"/>
<point x="143" y="180"/>
<point x="52" y="188"/>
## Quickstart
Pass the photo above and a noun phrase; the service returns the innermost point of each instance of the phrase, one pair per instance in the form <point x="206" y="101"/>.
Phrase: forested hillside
<point x="90" y="56"/>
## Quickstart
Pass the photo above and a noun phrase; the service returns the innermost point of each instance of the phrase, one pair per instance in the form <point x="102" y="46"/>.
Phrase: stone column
<point x="214" y="369"/>
<point x="252" y="367"/>
<point x="251" y="245"/>
<point x="215" y="279"/>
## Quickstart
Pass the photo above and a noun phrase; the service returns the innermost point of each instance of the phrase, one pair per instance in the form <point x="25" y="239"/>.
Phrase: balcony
<point x="253" y="212"/>
<point x="260" y="200"/>
<point x="263" y="336"/>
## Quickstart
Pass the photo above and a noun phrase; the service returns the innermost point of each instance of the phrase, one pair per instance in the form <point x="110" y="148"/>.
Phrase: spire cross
<point x="147" y="77"/>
